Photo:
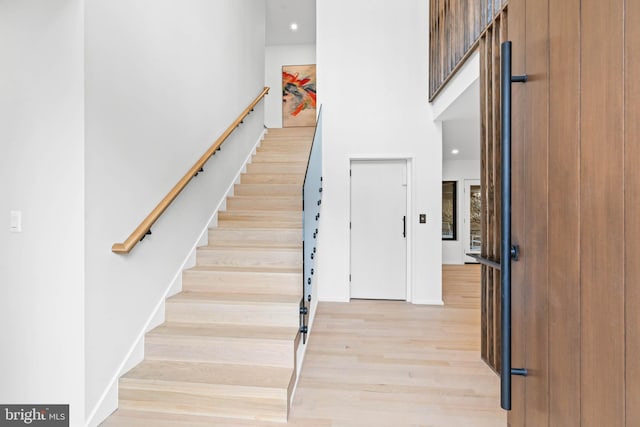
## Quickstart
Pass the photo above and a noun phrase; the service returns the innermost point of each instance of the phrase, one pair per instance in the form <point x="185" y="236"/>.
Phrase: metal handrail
<point x="485" y="261"/>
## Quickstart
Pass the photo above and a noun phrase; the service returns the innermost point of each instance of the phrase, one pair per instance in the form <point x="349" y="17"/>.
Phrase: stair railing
<point x="311" y="204"/>
<point x="144" y="228"/>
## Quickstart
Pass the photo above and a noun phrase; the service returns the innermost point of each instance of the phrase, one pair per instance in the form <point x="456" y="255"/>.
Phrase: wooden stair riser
<point x="271" y="178"/>
<point x="257" y="224"/>
<point x="239" y="313"/>
<point x="239" y="351"/>
<point x="276" y="216"/>
<point x="305" y="131"/>
<point x="264" y="203"/>
<point x="290" y="132"/>
<point x="286" y="258"/>
<point x="219" y="403"/>
<point x="293" y="143"/>
<point x="277" y="167"/>
<point x="256" y="237"/>
<point x="279" y="148"/>
<point x="242" y="282"/>
<point x="279" y="157"/>
<point x="268" y="190"/>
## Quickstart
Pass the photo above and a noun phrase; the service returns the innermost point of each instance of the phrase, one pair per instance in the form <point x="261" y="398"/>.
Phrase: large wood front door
<point x="576" y="210"/>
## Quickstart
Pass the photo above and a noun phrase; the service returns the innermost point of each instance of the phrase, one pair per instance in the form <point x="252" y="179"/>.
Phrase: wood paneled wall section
<point x="454" y="30"/>
<point x="489" y="47"/>
<point x="576" y="186"/>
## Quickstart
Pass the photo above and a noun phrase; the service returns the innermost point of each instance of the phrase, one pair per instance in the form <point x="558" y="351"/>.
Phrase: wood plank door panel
<point x="536" y="190"/>
<point x="564" y="214"/>
<point x="602" y="214"/>
<point x="576" y="198"/>
<point x="519" y="111"/>
<point x="632" y="211"/>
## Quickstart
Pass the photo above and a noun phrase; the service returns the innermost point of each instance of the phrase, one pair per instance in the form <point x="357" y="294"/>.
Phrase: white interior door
<point x="378" y="229"/>
<point x="472" y="212"/>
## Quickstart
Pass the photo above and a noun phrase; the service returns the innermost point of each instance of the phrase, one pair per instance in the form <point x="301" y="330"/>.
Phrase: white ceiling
<point x="282" y="13"/>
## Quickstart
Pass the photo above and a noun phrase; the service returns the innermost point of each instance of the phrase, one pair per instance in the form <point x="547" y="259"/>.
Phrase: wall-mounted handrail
<point x="145" y="226"/>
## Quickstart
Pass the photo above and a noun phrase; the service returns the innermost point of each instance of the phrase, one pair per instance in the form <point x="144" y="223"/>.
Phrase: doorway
<point x="472" y="219"/>
<point x="378" y="229"/>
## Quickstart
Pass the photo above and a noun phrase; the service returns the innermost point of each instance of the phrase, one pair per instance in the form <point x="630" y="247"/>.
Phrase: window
<point x="449" y="211"/>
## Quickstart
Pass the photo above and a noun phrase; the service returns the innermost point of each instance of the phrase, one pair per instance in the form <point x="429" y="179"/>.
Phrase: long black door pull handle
<point x="508" y="253"/>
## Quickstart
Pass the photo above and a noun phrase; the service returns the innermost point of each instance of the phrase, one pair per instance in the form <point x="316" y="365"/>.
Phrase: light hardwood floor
<point x="391" y="364"/>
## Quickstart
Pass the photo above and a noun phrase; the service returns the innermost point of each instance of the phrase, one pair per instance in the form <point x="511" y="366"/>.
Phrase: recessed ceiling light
<point x="455" y="151"/>
<point x="293" y="26"/>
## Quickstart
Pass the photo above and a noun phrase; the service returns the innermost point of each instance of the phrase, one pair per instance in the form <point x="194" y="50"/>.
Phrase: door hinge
<point x="349" y="278"/>
<point x="349" y="172"/>
<point x="349" y="225"/>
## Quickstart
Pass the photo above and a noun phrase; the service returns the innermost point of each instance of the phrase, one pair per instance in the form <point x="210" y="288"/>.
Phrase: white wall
<point x="459" y="171"/>
<point x="275" y="58"/>
<point x="41" y="174"/>
<point x="373" y="85"/>
<point x="163" y="81"/>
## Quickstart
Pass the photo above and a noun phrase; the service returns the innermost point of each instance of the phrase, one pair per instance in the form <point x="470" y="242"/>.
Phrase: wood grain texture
<point x="455" y="27"/>
<point x="564" y="214"/>
<point x="602" y="213"/>
<point x="490" y="81"/>
<point x="484" y="123"/>
<point x="536" y="188"/>
<point x="517" y="34"/>
<point x="384" y="363"/>
<point x="147" y="223"/>
<point x="632" y="207"/>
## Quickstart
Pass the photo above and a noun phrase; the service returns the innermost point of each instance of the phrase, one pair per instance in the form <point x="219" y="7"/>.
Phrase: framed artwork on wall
<point x="298" y="95"/>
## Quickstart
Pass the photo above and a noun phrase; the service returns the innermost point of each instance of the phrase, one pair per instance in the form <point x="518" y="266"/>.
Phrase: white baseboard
<point x="108" y="401"/>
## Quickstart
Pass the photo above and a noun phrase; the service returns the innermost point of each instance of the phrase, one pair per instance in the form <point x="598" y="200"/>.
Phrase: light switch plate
<point x="16" y="222"/>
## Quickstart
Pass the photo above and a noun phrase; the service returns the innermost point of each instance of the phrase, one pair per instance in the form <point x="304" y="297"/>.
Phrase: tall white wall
<point x="459" y="171"/>
<point x="163" y="80"/>
<point x="41" y="174"/>
<point x="373" y="85"/>
<point x="275" y="57"/>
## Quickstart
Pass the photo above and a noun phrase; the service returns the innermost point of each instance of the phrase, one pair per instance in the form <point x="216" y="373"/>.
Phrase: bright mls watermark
<point x="34" y="415"/>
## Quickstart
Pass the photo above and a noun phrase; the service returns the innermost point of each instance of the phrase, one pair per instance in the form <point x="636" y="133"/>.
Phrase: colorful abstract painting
<point x="298" y="95"/>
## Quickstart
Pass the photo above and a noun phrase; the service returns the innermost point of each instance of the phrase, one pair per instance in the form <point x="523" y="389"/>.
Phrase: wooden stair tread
<point x="258" y="229"/>
<point x="223" y="223"/>
<point x="300" y="163"/>
<point x="233" y="298"/>
<point x="263" y="212"/>
<point x="232" y="246"/>
<point x="133" y="418"/>
<point x="222" y="244"/>
<point x="248" y="269"/>
<point x="162" y="371"/>
<point x="245" y="332"/>
<point x="266" y="196"/>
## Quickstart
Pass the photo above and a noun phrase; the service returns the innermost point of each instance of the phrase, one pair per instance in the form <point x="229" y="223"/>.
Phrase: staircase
<point x="229" y="341"/>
